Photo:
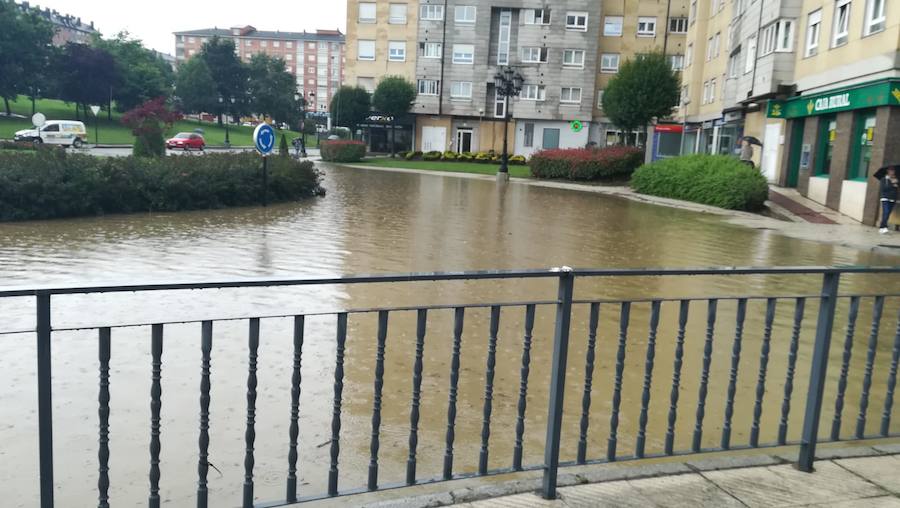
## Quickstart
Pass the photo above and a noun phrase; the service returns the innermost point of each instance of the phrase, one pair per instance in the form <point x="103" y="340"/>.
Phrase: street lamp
<point x="507" y="83"/>
<point x="303" y="103"/>
<point x="222" y="101"/>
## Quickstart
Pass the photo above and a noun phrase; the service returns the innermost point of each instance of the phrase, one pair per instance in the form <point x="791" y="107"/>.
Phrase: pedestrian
<point x="746" y="152"/>
<point x="888" y="192"/>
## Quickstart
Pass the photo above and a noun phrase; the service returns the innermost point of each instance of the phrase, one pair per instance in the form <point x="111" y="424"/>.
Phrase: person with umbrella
<point x="888" y="191"/>
<point x="747" y="143"/>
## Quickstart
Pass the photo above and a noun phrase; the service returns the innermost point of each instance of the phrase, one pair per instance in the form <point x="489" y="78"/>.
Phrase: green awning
<point x="870" y="95"/>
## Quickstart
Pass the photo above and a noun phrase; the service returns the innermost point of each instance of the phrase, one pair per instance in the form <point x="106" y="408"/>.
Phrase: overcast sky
<point x="154" y="21"/>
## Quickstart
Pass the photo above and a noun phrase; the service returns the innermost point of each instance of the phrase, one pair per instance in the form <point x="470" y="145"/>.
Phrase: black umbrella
<point x="752" y="140"/>
<point x="883" y="171"/>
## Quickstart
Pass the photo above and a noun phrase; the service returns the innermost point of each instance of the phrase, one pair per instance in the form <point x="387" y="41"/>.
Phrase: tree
<point x="195" y="88"/>
<point x="143" y="74"/>
<point x="228" y="73"/>
<point x="394" y="97"/>
<point x="271" y="89"/>
<point x="148" y="122"/>
<point x="25" y="50"/>
<point x="350" y="106"/>
<point x="85" y="75"/>
<point x="645" y="88"/>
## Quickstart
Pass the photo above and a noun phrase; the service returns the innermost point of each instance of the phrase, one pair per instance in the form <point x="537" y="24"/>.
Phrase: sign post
<point x="264" y="141"/>
<point x="96" y="111"/>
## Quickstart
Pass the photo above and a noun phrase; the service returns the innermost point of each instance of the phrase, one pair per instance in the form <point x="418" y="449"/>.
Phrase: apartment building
<point x="316" y="59"/>
<point x="66" y="27"/>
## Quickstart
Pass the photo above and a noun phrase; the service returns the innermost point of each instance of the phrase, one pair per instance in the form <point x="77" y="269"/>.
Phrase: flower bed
<point x="341" y="150"/>
<point x="586" y="163"/>
<point x="490" y="157"/>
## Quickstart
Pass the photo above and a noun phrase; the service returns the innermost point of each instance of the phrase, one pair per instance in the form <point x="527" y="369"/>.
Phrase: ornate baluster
<point x="704" y="376"/>
<point x="763" y="366"/>
<point x="203" y="462"/>
<point x="588" y="379"/>
<point x="460" y="314"/>
<point x="676" y="376"/>
<point x="870" y="362"/>
<point x="156" y="346"/>
<point x="416" y="398"/>
<point x="250" y="433"/>
<point x="789" y="377"/>
<point x="294" y="431"/>
<point x="336" y="407"/>
<point x="891" y="384"/>
<point x="523" y="387"/>
<point x="624" y="316"/>
<point x="648" y="380"/>
<point x="103" y="412"/>
<point x="489" y="390"/>
<point x="376" y="404"/>
<point x="845" y="368"/>
<point x="732" y="379"/>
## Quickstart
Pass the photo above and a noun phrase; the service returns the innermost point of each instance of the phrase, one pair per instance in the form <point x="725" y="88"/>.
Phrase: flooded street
<point x="381" y="222"/>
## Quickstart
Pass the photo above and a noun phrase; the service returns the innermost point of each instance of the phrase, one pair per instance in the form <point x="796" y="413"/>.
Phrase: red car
<point x="186" y="141"/>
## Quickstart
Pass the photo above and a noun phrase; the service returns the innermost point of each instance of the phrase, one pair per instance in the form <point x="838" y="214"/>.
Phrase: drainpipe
<point x="666" y="36"/>
<point x="443" y="59"/>
<point x="762" y="5"/>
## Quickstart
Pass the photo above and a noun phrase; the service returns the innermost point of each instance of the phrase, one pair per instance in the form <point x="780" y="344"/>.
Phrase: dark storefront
<point x="377" y="133"/>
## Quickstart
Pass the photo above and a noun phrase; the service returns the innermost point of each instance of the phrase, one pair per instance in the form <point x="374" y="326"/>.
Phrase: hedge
<point x="586" y="163"/>
<point x="483" y="157"/>
<point x="342" y="150"/>
<point x="717" y="180"/>
<point x="51" y="184"/>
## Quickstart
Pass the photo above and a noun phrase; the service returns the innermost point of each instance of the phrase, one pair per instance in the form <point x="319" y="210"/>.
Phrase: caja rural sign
<point x="883" y="93"/>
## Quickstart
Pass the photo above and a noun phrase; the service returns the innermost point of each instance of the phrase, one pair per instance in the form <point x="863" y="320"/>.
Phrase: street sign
<point x="95" y="110"/>
<point x="576" y="126"/>
<point x="264" y="138"/>
<point x="38" y="120"/>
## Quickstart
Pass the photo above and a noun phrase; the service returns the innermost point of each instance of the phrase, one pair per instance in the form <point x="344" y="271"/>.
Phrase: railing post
<point x="814" y="396"/>
<point x="45" y="399"/>
<point x="558" y="381"/>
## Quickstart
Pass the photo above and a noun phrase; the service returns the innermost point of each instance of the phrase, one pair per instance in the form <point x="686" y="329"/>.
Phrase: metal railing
<point x="812" y="405"/>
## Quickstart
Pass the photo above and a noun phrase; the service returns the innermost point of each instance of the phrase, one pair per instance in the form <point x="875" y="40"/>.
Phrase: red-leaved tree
<point x="148" y="122"/>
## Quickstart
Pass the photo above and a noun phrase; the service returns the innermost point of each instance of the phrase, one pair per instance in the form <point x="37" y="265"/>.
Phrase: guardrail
<point x="812" y="403"/>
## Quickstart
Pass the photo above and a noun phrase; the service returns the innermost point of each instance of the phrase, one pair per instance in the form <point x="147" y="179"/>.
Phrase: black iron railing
<point x="812" y="404"/>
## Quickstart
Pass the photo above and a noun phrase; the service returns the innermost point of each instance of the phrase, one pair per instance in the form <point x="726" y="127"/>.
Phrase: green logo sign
<point x="576" y="126"/>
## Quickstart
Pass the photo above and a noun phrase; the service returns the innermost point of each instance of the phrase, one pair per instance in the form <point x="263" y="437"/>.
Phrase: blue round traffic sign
<point x="264" y="138"/>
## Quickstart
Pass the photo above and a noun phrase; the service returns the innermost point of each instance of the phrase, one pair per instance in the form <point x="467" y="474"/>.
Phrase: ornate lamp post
<point x="507" y="83"/>
<point x="303" y="103"/>
<point x="223" y="102"/>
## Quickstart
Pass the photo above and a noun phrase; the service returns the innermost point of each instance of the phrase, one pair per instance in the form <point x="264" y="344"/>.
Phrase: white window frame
<point x="717" y="39"/>
<point x="396" y="19"/>
<point x="709" y="48"/>
<point x="431" y="12"/>
<point x="366" y="83"/>
<point x="575" y="26"/>
<point x="264" y="44"/>
<point x="712" y="90"/>
<point x="813" y="33"/>
<point x="430" y="87"/>
<point x="528" y="53"/>
<point x="459" y="50"/>
<point x="676" y="62"/>
<point x="532" y="17"/>
<point x="503" y="103"/>
<point x="539" y="93"/>
<point x="367" y="19"/>
<point x="609" y="68"/>
<point x="359" y="52"/>
<point x="607" y="25"/>
<point x="433" y="45"/>
<point x="689" y="55"/>
<point x="396" y="51"/>
<point x="276" y="44"/>
<point x="599" y="99"/>
<point x="875" y="21"/>
<point x="504" y="34"/>
<point x="751" y="55"/>
<point x="646" y="26"/>
<point x="678" y="25"/>
<point x="573" y="53"/>
<point x="705" y="98"/>
<point x="571" y="99"/>
<point x="840" y="35"/>
<point x="460" y="89"/>
<point x="734" y="61"/>
<point x="692" y="13"/>
<point x="289" y="44"/>
<point x="465" y="10"/>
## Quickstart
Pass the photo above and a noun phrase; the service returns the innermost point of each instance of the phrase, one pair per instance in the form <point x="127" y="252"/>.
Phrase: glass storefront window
<point x="827" y="137"/>
<point x="863" y="139"/>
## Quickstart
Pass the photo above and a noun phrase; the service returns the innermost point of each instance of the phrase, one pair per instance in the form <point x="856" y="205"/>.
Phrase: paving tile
<point x="519" y="501"/>
<point x="619" y="494"/>
<point x="883" y="471"/>
<point x="687" y="490"/>
<point x="732" y="462"/>
<point x="785" y="486"/>
<point x="869" y="502"/>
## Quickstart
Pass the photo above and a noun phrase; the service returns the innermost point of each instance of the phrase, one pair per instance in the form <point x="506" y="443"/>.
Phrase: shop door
<point x="863" y="139"/>
<point x="551" y="139"/>
<point x="769" y="159"/>
<point x="793" y="170"/>
<point x="463" y="140"/>
<point x="827" y="137"/>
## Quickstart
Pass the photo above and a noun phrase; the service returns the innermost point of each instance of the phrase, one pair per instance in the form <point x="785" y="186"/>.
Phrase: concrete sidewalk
<point x="846" y="483"/>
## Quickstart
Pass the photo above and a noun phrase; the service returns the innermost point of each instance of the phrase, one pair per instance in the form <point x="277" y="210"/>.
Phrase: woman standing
<point x="888" y="191"/>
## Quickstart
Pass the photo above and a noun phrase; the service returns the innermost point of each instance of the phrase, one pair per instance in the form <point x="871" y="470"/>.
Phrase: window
<point x="312" y="58"/>
<point x="499" y="106"/>
<point x="692" y="15"/>
<point x="432" y="13"/>
<point x="570" y="95"/>
<point x="263" y="44"/>
<point x="751" y="55"/>
<point x="709" y="49"/>
<point x="689" y="55"/>
<point x="778" y="36"/>
<point x="678" y="25"/>
<point x="733" y="63"/>
<point x="289" y="57"/>
<point x="529" y="135"/>
<point x="713" y="7"/>
<point x="537" y="16"/>
<point x="609" y="62"/>
<point x="612" y="26"/>
<point x="366" y="83"/>
<point x="573" y="58"/>
<point x="311" y="45"/>
<point x="599" y="99"/>
<point x="534" y="55"/>
<point x="875" y="17"/>
<point x="534" y="93"/>
<point x="712" y="90"/>
<point x="248" y="43"/>
<point x="433" y="50"/>
<point x="397" y="14"/>
<point x="366" y="50"/>
<point x="576" y="21"/>
<point x="705" y="92"/>
<point x="503" y="37"/>
<point x="289" y="69"/>
<point x="686" y="94"/>
<point x="192" y="39"/>
<point x="646" y="27"/>
<point x="465" y="14"/>
<point x="716" y="39"/>
<point x="677" y="62"/>
<point x="289" y="44"/>
<point x="464" y="54"/>
<point x="461" y="89"/>
<point x="311" y="70"/>
<point x="397" y="51"/>
<point x="429" y="86"/>
<point x="841" y="23"/>
<point x="813" y="27"/>
<point x="276" y="44"/>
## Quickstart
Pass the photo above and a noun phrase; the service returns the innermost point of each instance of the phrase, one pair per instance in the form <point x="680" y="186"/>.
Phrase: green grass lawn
<point x="114" y="133"/>
<point x="453" y="167"/>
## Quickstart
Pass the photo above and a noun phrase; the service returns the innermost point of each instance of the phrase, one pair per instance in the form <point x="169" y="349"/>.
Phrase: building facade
<point x="315" y="59"/>
<point x="67" y="28"/>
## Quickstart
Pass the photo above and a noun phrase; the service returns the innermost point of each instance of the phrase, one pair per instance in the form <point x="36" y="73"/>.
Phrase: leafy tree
<point x="394" y="97"/>
<point x="25" y="50"/>
<point x="350" y="106"/>
<point x="283" y="149"/>
<point x="195" y="87"/>
<point x="645" y="88"/>
<point x="271" y="89"/>
<point x="143" y="74"/>
<point x="148" y="122"/>
<point x="228" y="73"/>
<point x="85" y="75"/>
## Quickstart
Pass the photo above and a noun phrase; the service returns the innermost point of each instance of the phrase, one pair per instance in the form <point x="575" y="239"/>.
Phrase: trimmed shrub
<point x="449" y="156"/>
<point x="518" y="160"/>
<point x="283" y="150"/>
<point x="717" y="180"/>
<point x="340" y="150"/>
<point x="432" y="156"/>
<point x="483" y="157"/>
<point x="411" y="156"/>
<point x="53" y="184"/>
<point x="586" y="163"/>
<point x="465" y="157"/>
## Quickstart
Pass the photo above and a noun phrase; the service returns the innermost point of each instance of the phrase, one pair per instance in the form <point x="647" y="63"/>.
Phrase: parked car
<point x="55" y="132"/>
<point x="186" y="141"/>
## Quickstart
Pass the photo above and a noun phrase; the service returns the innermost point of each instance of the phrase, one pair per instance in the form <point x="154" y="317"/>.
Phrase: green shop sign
<point x="883" y="93"/>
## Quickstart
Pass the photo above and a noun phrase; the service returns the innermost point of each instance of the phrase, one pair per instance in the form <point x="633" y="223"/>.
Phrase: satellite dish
<point x="38" y="120"/>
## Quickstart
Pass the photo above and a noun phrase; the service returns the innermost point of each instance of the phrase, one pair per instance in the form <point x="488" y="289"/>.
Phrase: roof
<point x="318" y="35"/>
<point x="65" y="21"/>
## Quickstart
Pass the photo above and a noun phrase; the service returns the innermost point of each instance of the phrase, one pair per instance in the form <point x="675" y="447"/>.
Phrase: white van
<point x="56" y="132"/>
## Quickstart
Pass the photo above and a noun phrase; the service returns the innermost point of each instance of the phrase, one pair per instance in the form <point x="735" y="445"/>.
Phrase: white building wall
<point x="567" y="137"/>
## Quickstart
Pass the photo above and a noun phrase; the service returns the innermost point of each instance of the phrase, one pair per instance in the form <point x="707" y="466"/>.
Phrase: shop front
<point x="377" y="128"/>
<point x="836" y="140"/>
